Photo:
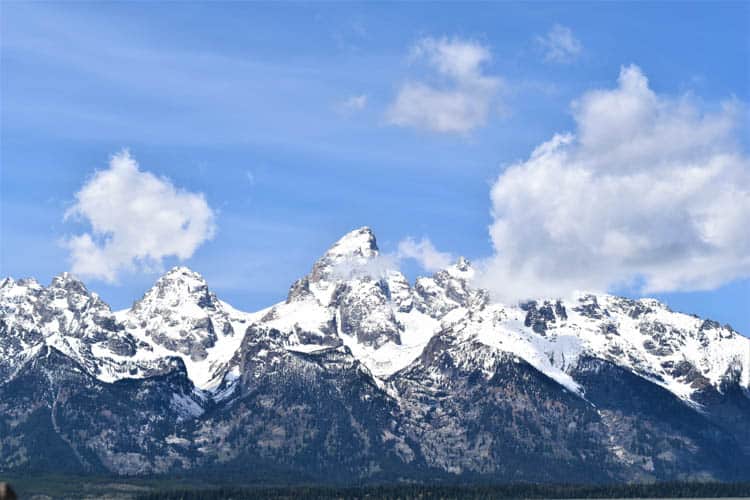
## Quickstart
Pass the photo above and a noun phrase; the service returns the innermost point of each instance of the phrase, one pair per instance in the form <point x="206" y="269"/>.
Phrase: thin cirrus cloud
<point x="559" y="45"/>
<point x="651" y="193"/>
<point x="463" y="99"/>
<point x="353" y="103"/>
<point x="137" y="219"/>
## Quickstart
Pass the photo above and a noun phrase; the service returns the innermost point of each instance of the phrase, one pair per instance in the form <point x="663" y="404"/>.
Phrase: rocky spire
<point x="355" y="248"/>
<point x="178" y="286"/>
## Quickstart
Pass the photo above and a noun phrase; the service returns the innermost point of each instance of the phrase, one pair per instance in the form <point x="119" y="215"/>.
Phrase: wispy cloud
<point x="200" y="95"/>
<point x="462" y="103"/>
<point x="353" y="103"/>
<point x="424" y="253"/>
<point x="136" y="220"/>
<point x="250" y="176"/>
<point x="560" y="45"/>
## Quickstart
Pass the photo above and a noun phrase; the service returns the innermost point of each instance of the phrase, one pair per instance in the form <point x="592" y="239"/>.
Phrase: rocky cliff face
<point x="360" y="375"/>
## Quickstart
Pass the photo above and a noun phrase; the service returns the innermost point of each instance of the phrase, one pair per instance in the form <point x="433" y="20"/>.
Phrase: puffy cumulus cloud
<point x="136" y="220"/>
<point x="650" y="192"/>
<point x="559" y="45"/>
<point x="464" y="99"/>
<point x="424" y="252"/>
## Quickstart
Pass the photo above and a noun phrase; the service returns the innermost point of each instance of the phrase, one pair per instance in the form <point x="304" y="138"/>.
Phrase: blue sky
<point x="284" y="117"/>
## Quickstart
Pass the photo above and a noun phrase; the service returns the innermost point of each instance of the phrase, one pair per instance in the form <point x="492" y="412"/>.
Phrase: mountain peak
<point x="7" y="282"/>
<point x="179" y="285"/>
<point x="10" y="282"/>
<point x="353" y="249"/>
<point x="463" y="264"/>
<point x="64" y="277"/>
<point x="67" y="281"/>
<point x="182" y="271"/>
<point x="358" y="243"/>
<point x="182" y="277"/>
<point x="461" y="269"/>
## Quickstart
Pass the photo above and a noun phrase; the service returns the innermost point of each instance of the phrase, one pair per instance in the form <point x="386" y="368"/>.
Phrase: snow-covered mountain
<point x="177" y="319"/>
<point x="179" y="316"/>
<point x="456" y="381"/>
<point x="350" y="298"/>
<point x="69" y="318"/>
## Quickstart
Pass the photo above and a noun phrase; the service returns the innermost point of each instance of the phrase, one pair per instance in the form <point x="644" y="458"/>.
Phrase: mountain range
<point x="361" y="376"/>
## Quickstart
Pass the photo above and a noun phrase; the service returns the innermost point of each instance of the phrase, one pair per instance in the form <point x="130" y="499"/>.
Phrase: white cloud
<point x="136" y="220"/>
<point x="381" y="266"/>
<point x="354" y="103"/>
<point x="461" y="103"/>
<point x="559" y="45"/>
<point x="650" y="192"/>
<point x="425" y="253"/>
<point x="377" y="267"/>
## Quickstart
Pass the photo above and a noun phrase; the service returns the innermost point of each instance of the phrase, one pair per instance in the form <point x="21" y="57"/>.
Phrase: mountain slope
<point x="54" y="416"/>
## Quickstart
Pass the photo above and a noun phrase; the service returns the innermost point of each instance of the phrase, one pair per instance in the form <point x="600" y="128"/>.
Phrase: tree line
<point x="525" y="491"/>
